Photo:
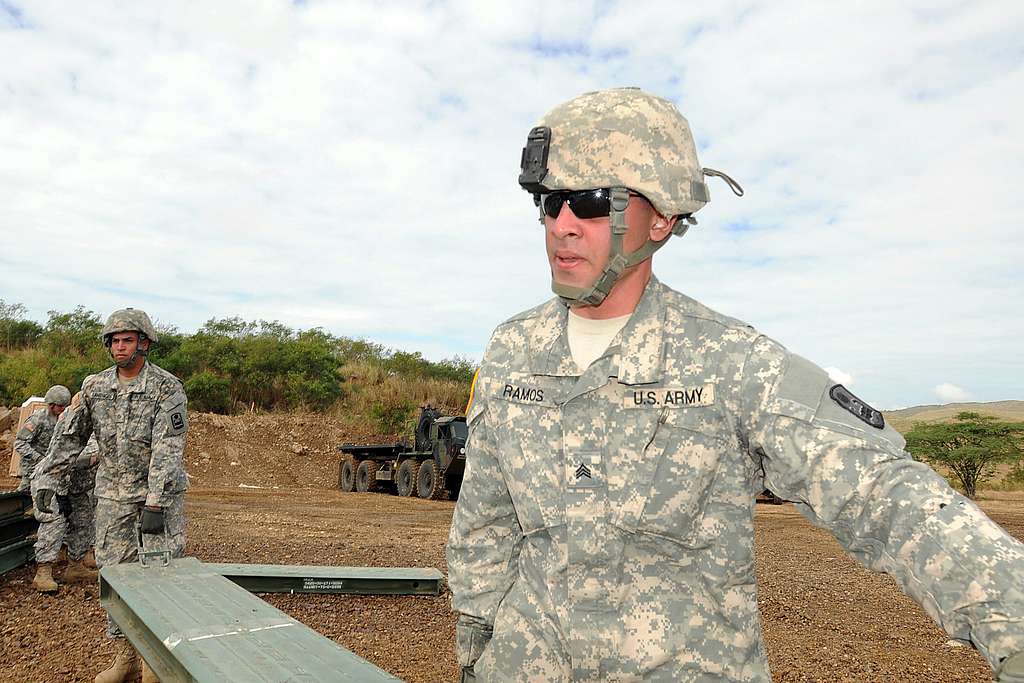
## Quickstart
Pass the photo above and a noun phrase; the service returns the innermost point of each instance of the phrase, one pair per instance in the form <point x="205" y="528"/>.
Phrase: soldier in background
<point x="33" y="438"/>
<point x="72" y="524"/>
<point x="620" y="432"/>
<point x="137" y="412"/>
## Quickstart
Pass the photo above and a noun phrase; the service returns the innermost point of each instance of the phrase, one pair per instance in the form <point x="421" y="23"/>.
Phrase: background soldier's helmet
<point x="58" y="395"/>
<point x="627" y="138"/>
<point x="128" y="320"/>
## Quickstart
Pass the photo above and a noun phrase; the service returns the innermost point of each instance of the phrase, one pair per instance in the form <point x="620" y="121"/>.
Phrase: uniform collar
<point x="138" y="384"/>
<point x="635" y="355"/>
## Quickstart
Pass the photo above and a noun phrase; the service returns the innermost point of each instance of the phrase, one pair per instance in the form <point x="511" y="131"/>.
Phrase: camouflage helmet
<point x="623" y="137"/>
<point x="129" y="320"/>
<point x="57" y="395"/>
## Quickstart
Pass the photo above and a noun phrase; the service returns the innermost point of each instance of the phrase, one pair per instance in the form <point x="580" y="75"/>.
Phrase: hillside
<point x="903" y="420"/>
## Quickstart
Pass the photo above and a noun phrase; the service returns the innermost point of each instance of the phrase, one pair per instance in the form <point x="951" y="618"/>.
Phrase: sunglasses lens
<point x="584" y="203"/>
<point x="552" y="203"/>
<point x="589" y="203"/>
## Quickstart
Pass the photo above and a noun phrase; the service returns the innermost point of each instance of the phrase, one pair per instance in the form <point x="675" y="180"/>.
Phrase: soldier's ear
<point x="662" y="227"/>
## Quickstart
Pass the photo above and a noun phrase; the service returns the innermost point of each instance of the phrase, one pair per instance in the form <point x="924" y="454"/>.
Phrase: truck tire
<point x="428" y="482"/>
<point x="406" y="478"/>
<point x="347" y="474"/>
<point x="366" y="476"/>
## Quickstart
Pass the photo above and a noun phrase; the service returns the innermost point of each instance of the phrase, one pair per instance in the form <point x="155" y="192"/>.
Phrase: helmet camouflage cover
<point x="58" y="395"/>
<point x="129" y="320"/>
<point x="628" y="138"/>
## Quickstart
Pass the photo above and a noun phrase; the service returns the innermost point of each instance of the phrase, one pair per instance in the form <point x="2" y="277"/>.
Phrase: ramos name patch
<point x="669" y="397"/>
<point x="861" y="410"/>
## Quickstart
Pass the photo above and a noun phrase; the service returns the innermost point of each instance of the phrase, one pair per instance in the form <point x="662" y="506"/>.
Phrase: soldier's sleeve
<point x="27" y="438"/>
<point x="167" y="448"/>
<point x="69" y="437"/>
<point x="485" y="536"/>
<point x="827" y="451"/>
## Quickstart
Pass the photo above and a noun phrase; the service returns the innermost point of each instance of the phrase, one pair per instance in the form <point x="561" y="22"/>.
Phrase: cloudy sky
<point x="353" y="166"/>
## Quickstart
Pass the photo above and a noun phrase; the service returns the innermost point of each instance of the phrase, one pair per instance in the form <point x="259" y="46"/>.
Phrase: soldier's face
<point x="56" y="410"/>
<point x="124" y="344"/>
<point x="578" y="248"/>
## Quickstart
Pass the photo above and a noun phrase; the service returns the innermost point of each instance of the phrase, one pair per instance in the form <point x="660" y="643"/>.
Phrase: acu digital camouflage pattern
<point x="31" y="443"/>
<point x="74" y="527"/>
<point x="604" y="528"/>
<point x="628" y="138"/>
<point x="129" y="320"/>
<point x="140" y="431"/>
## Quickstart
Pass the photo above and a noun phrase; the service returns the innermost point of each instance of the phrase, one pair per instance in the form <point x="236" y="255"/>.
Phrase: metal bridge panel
<point x="277" y="578"/>
<point x="192" y="624"/>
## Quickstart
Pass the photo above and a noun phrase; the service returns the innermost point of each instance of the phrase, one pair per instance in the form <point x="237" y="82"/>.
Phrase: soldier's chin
<point x="126" y="363"/>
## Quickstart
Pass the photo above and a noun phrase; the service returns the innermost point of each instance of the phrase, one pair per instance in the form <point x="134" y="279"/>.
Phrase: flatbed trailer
<point x="433" y="470"/>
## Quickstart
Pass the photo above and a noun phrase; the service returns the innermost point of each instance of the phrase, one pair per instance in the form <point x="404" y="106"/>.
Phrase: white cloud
<point x="951" y="393"/>
<point x="840" y="377"/>
<point x="354" y="167"/>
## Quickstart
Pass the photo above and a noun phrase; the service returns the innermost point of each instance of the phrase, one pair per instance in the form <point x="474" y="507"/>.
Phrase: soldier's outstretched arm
<point x="832" y="454"/>
<point x="483" y="545"/>
<point x="167" y="448"/>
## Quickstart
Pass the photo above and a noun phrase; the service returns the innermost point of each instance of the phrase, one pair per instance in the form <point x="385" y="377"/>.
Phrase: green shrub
<point x="209" y="393"/>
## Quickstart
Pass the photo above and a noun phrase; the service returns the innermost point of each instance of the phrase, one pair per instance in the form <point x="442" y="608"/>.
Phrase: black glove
<point x="152" y="520"/>
<point x="44" y="501"/>
<point x="64" y="505"/>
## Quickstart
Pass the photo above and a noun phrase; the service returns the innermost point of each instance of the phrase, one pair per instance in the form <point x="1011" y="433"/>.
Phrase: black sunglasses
<point x="584" y="203"/>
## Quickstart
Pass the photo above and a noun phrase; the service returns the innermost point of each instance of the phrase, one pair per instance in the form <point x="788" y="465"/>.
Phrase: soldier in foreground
<point x="72" y="523"/>
<point x="620" y="433"/>
<point x="137" y="412"/>
<point x="33" y="438"/>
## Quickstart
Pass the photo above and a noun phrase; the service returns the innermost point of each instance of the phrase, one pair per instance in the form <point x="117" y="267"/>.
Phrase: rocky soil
<point x="264" y="491"/>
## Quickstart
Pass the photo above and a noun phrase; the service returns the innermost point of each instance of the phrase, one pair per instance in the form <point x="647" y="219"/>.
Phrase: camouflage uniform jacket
<point x="140" y="433"/>
<point x="604" y="528"/>
<point x="33" y="439"/>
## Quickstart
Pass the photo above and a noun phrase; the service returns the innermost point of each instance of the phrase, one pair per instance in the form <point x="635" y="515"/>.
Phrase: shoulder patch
<point x="858" y="408"/>
<point x="177" y="421"/>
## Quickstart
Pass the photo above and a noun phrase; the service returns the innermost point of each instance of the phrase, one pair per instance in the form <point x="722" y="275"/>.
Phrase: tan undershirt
<point x="588" y="339"/>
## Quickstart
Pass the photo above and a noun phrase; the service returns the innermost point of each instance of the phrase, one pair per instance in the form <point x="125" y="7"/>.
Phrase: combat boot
<point x="147" y="674"/>
<point x="43" y="581"/>
<point x="77" y="572"/>
<point x="125" y="666"/>
<point x="90" y="559"/>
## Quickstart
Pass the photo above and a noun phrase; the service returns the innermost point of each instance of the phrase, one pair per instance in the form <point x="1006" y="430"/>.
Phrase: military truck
<point x="431" y="469"/>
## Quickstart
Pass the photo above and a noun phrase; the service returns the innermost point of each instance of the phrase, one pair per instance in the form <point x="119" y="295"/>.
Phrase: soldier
<point x="72" y="524"/>
<point x="620" y="432"/>
<point x="137" y="412"/>
<point x="33" y="438"/>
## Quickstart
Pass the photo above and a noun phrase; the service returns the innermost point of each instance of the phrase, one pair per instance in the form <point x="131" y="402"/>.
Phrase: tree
<point x="970" y="447"/>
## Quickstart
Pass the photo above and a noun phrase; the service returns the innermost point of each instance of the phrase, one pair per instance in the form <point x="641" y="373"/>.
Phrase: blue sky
<point x="353" y="166"/>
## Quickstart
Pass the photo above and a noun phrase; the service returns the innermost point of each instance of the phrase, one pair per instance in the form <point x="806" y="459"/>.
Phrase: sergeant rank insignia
<point x="862" y="411"/>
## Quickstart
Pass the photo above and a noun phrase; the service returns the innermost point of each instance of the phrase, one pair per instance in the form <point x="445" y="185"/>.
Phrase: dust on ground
<point x="825" y="617"/>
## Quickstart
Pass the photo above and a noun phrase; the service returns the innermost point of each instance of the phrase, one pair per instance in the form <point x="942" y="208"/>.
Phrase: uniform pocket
<point x="688" y="452"/>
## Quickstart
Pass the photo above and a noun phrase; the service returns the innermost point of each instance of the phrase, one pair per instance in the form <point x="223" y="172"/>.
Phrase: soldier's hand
<point x="1012" y="669"/>
<point x="44" y="501"/>
<point x="152" y="520"/>
<point x="64" y="505"/>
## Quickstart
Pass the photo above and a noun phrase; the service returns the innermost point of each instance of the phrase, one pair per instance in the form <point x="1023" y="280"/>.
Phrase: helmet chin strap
<point x="618" y="260"/>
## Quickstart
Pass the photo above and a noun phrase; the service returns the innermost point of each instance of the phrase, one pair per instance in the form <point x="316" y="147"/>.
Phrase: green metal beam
<point x="14" y="503"/>
<point x="16" y="554"/>
<point x="16" y="529"/>
<point x="192" y="624"/>
<point x="283" y="578"/>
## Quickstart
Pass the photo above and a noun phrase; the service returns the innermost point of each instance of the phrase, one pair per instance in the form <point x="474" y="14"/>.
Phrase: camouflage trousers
<point x="117" y="536"/>
<point x="76" y="529"/>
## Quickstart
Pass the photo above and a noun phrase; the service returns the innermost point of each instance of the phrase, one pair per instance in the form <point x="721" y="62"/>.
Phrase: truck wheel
<point x="405" y="479"/>
<point x="366" y="476"/>
<point x="347" y="474"/>
<point x="428" y="483"/>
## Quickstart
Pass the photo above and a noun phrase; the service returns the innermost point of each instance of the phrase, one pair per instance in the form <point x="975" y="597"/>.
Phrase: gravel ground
<point x="825" y="617"/>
